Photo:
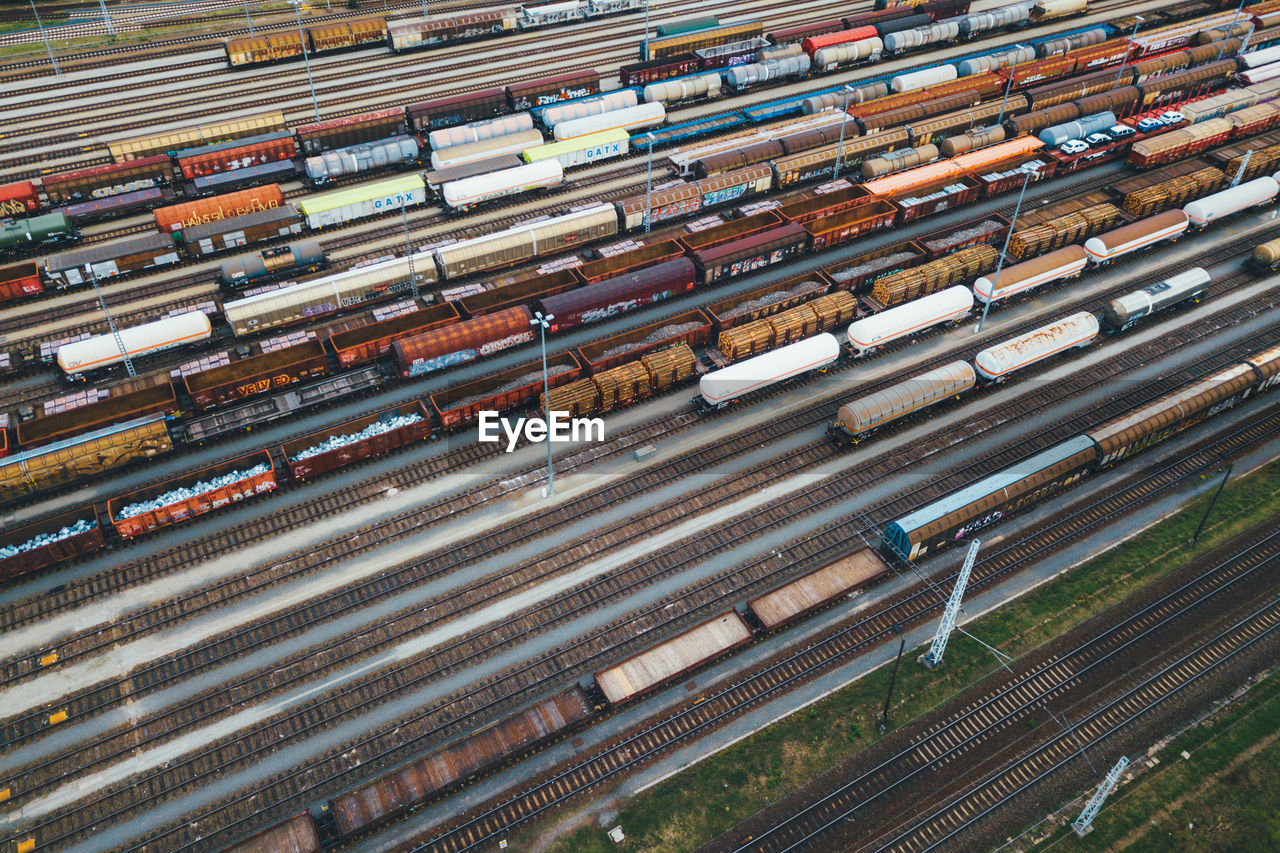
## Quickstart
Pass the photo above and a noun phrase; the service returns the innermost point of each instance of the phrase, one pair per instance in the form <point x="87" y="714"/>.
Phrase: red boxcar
<point x="814" y="43"/>
<point x="179" y="216"/>
<point x="548" y="90"/>
<point x="187" y="508"/>
<point x="351" y="130"/>
<point x="18" y="199"/>
<point x="238" y="154"/>
<point x="258" y="374"/>
<point x="656" y="70"/>
<point x="20" y="280"/>
<point x="373" y="340"/>
<point x="376" y="445"/>
<point x="461" y="342"/>
<point x="36" y="559"/>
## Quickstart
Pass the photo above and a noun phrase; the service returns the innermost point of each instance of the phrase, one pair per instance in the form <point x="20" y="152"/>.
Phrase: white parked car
<point x="1172" y="117"/>
<point x="1073" y="146"/>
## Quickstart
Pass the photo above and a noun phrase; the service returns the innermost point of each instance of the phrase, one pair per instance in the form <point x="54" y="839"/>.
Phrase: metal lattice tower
<point x="1244" y="164"/>
<point x="111" y="321"/>
<point x="933" y="657"/>
<point x="1084" y="823"/>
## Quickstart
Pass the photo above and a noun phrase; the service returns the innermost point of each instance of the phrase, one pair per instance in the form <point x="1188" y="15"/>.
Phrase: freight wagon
<point x="992" y="499"/>
<point x="103" y="351"/>
<point x="34" y="547"/>
<point x="272" y="264"/>
<point x="504" y="391"/>
<point x="256" y="375"/>
<point x="863" y="417"/>
<point x="191" y="495"/>
<point x="358" y="439"/>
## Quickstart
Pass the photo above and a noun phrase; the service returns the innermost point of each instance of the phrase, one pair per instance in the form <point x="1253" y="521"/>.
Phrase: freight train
<point x="409" y="784"/>
<point x="378" y="802"/>
<point x="992" y="499"/>
<point x="290" y="45"/>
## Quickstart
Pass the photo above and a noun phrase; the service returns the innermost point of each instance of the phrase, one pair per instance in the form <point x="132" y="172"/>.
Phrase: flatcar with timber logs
<point x="992" y="499"/>
<point x="1124" y="312"/>
<point x="870" y="333"/>
<point x="723" y="387"/>
<point x="996" y="363"/>
<point x="864" y="416"/>
<point x="103" y="351"/>
<point x="272" y="264"/>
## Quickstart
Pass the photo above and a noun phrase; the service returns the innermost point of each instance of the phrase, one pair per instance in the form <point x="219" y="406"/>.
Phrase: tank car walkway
<point x="299" y="751"/>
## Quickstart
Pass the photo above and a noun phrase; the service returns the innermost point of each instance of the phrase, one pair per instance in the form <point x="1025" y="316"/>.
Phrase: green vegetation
<point x="712" y="796"/>
<point x="1225" y="797"/>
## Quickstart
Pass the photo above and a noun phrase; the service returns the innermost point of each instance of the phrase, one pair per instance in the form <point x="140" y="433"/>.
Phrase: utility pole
<point x="933" y="657"/>
<point x="408" y="252"/>
<point x="648" y="180"/>
<point x="995" y="279"/>
<point x="248" y="19"/>
<point x="543" y="323"/>
<point x="106" y="16"/>
<point x="297" y="13"/>
<point x="1083" y="825"/>
<point x="57" y="72"/>
<point x="644" y="42"/>
<point x="893" y="677"/>
<point x="111" y="321"/>
<point x="1195" y="540"/>
<point x="844" y="118"/>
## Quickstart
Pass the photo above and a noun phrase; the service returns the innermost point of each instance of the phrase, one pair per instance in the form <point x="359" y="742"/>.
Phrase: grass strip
<point x="1224" y="797"/>
<point x="710" y="797"/>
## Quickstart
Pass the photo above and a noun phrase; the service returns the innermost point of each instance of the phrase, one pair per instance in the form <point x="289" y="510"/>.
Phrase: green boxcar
<point x="51" y="228"/>
<point x="688" y="25"/>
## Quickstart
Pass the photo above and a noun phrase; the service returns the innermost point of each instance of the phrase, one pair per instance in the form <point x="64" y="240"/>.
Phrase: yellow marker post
<point x="49" y="659"/>
<point x="5" y="793"/>
<point x="57" y="718"/>
<point x="27" y="846"/>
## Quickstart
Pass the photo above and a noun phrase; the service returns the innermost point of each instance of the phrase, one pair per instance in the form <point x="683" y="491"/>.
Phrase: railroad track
<point x="1257" y="630"/>
<point x="986" y="720"/>
<point x="303" y="720"/>
<point x="637" y="747"/>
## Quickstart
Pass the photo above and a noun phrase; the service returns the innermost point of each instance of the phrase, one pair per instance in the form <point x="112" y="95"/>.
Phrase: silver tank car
<point x="833" y="100"/>
<point x="746" y="76"/>
<point x="995" y="61"/>
<point x="1062" y="44"/>
<point x="829" y="58"/>
<point x="1005" y="16"/>
<point x="1125" y="311"/>
<point x="361" y="158"/>
<point x="921" y="36"/>
<point x="1060" y="133"/>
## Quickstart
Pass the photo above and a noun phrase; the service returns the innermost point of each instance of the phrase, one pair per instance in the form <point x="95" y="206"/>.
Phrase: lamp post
<point x="297" y="13"/>
<point x="648" y="183"/>
<point x="56" y="70"/>
<point x="844" y="118"/>
<point x="544" y="323"/>
<point x="995" y="279"/>
<point x="644" y="42"/>
<point x="248" y="19"/>
<point x="1137" y="19"/>
<point x="408" y="253"/>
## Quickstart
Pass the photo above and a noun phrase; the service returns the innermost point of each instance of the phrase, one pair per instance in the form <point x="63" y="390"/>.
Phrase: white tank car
<point x="721" y="387"/>
<point x="512" y="143"/>
<point x="1123" y="311"/>
<point x="1028" y="275"/>
<point x="946" y="306"/>
<point x="632" y="118"/>
<point x="923" y="78"/>
<point x="869" y="413"/>
<point x="1211" y="208"/>
<point x="594" y="106"/>
<point x="468" y="192"/>
<point x="478" y="131"/>
<point x="997" y="362"/>
<point x="103" y="351"/>
<point x="1136" y="236"/>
